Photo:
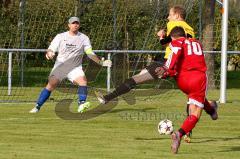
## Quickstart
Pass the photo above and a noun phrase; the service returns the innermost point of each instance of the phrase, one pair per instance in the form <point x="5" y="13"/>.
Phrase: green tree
<point x="208" y="39"/>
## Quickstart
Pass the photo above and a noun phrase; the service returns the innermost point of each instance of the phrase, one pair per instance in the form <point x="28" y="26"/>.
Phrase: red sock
<point x="189" y="124"/>
<point x="208" y="108"/>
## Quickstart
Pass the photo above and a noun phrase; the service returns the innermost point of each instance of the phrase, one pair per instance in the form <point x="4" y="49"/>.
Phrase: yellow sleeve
<point x="170" y="25"/>
<point x="187" y="28"/>
<point x="89" y="51"/>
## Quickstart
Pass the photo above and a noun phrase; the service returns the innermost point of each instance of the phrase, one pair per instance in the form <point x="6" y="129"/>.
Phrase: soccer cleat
<point x="100" y="97"/>
<point x="82" y="107"/>
<point x="34" y="110"/>
<point x="187" y="137"/>
<point x="214" y="116"/>
<point x="176" y="141"/>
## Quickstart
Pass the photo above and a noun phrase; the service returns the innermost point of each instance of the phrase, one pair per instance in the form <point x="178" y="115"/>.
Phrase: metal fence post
<point x="9" y="73"/>
<point x="21" y="28"/>
<point x="109" y="75"/>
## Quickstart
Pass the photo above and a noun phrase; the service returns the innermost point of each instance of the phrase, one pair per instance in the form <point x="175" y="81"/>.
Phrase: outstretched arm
<point x="94" y="57"/>
<point x="163" y="38"/>
<point x="88" y="50"/>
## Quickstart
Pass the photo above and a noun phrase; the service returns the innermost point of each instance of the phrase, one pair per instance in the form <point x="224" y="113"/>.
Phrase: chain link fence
<point x="110" y="24"/>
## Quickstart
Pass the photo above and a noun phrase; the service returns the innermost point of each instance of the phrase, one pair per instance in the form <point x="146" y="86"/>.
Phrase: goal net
<point x="110" y="24"/>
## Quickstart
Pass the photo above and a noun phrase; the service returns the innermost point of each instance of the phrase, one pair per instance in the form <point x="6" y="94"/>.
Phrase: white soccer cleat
<point x="83" y="107"/>
<point x="34" y="110"/>
<point x="100" y="97"/>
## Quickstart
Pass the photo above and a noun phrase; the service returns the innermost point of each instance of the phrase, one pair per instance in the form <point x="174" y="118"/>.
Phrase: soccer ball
<point x="165" y="127"/>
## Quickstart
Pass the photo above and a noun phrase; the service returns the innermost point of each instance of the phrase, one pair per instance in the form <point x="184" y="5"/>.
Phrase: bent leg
<point x="145" y="75"/>
<point x="190" y="122"/>
<point x="211" y="109"/>
<point x="46" y="92"/>
<point x="123" y="88"/>
<point x="82" y="89"/>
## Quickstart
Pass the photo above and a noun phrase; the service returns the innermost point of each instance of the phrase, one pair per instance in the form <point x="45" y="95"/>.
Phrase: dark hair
<point x="179" y="10"/>
<point x="177" y="32"/>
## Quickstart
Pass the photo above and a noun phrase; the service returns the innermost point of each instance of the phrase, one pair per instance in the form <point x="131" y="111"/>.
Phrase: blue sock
<point x="44" y="95"/>
<point x="82" y="93"/>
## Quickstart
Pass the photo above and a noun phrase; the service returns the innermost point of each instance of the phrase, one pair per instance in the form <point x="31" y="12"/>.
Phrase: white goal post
<point x="223" y="80"/>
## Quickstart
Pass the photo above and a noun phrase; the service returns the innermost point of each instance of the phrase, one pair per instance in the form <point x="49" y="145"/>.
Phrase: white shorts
<point x="61" y="71"/>
<point x="75" y="73"/>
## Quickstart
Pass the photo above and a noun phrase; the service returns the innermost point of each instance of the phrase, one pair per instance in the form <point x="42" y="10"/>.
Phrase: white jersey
<point x="70" y="48"/>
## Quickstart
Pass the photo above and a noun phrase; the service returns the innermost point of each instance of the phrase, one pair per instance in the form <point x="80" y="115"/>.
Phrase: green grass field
<point x="127" y="131"/>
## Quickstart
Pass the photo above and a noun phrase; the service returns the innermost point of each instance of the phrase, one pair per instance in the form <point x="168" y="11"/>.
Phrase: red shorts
<point x="194" y="85"/>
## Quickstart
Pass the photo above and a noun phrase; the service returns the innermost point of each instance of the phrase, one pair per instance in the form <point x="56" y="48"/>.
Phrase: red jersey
<point x="187" y="55"/>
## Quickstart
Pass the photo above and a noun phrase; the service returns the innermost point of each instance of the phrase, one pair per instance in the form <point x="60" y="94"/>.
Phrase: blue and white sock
<point x="44" y="95"/>
<point x="82" y="94"/>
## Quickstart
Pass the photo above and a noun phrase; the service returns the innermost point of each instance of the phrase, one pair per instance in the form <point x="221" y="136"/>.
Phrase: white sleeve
<point x="55" y="43"/>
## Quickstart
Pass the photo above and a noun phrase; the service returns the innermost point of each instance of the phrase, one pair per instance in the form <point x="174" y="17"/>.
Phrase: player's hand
<point x="107" y="63"/>
<point x="161" y="34"/>
<point x="161" y="72"/>
<point x="49" y="55"/>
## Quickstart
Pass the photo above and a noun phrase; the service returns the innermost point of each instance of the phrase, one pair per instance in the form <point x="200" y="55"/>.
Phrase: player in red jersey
<point x="187" y="64"/>
<point x="176" y="17"/>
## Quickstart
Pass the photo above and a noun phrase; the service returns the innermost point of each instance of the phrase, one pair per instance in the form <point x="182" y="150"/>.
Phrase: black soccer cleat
<point x="214" y="115"/>
<point x="100" y="97"/>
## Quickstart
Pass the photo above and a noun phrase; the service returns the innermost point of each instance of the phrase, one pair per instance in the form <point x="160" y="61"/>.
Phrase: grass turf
<point x="127" y="131"/>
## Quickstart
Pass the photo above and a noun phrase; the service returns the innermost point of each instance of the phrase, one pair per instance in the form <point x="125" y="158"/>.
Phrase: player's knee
<point x="143" y="71"/>
<point x="195" y="110"/>
<point x="81" y="81"/>
<point x="50" y="87"/>
<point x="52" y="83"/>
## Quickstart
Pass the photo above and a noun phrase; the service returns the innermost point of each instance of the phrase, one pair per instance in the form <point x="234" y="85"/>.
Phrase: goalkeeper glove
<point x="106" y="63"/>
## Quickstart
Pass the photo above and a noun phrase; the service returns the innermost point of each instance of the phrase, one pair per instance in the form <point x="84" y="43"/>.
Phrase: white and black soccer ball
<point x="165" y="127"/>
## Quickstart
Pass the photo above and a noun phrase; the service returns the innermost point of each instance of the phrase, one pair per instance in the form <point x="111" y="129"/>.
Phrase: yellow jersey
<point x="170" y="25"/>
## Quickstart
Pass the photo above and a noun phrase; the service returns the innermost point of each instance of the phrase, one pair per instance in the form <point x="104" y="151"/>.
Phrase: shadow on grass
<point x="130" y="109"/>
<point x="207" y="140"/>
<point x="232" y="148"/>
<point x="62" y="110"/>
<point x="146" y="139"/>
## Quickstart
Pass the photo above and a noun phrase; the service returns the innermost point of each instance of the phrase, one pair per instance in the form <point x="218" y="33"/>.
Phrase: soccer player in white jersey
<point x="71" y="46"/>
